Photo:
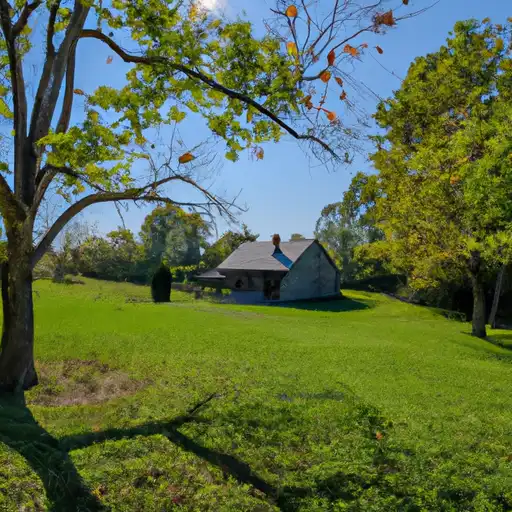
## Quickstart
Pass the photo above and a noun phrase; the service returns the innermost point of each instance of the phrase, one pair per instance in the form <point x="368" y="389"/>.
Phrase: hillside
<point x="365" y="404"/>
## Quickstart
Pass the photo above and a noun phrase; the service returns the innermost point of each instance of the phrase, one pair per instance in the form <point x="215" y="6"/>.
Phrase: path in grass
<point x="368" y="403"/>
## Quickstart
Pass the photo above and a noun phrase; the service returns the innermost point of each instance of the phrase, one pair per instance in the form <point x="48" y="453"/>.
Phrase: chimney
<point x="276" y="240"/>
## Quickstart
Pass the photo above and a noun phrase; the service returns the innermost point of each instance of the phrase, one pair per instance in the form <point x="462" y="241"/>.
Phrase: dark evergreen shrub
<point x="161" y="285"/>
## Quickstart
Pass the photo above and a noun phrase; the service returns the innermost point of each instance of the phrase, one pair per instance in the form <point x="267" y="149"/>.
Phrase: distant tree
<point x="444" y="162"/>
<point x="66" y="257"/>
<point x="117" y="257"/>
<point x="225" y="245"/>
<point x="297" y="236"/>
<point x="350" y="223"/>
<point x="174" y="237"/>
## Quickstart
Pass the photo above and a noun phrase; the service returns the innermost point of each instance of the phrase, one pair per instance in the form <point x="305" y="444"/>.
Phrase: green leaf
<point x="5" y="111"/>
<point x="232" y="156"/>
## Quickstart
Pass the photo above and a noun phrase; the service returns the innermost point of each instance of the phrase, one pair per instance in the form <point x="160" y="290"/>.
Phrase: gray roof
<point x="260" y="256"/>
<point x="212" y="274"/>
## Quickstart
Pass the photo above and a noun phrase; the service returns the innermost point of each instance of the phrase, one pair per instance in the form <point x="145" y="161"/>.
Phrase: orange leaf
<point x="486" y="20"/>
<point x="260" y="154"/>
<point x="325" y="76"/>
<point x="291" y="12"/>
<point x="385" y="18"/>
<point x="364" y="45"/>
<point x="292" y="48"/>
<point x="331" y="57"/>
<point x="79" y="91"/>
<point x="405" y="2"/>
<point x="454" y="180"/>
<point x="379" y="436"/>
<point x="185" y="158"/>
<point x="379" y="49"/>
<point x="343" y="95"/>
<point x="350" y="49"/>
<point x="306" y="99"/>
<point x="110" y="59"/>
<point x="309" y="105"/>
<point x="331" y="116"/>
<point x="339" y="81"/>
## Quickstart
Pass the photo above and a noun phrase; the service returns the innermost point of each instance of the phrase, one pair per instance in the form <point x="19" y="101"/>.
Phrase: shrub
<point x="161" y="285"/>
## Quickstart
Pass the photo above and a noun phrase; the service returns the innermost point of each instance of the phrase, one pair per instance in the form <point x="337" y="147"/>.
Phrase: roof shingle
<point x="260" y="256"/>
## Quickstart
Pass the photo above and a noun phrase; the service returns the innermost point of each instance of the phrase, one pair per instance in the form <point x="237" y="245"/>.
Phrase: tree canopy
<point x="350" y="223"/>
<point x="226" y="244"/>
<point x="173" y="237"/>
<point x="444" y="161"/>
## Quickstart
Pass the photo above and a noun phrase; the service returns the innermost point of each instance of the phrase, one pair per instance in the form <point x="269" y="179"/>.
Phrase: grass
<point x="363" y="404"/>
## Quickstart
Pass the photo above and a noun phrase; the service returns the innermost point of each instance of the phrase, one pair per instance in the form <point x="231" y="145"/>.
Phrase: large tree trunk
<point x="478" y="320"/>
<point x="497" y="294"/>
<point x="17" y="371"/>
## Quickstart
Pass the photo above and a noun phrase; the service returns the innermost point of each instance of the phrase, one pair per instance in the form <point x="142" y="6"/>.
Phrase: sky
<point x="285" y="192"/>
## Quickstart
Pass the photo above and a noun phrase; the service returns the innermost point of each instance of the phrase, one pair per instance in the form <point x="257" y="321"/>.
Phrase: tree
<point x="346" y="225"/>
<point x="225" y="245"/>
<point x="444" y="162"/>
<point x="296" y="237"/>
<point x="256" y="91"/>
<point x="117" y="257"/>
<point x="66" y="257"/>
<point x="173" y="236"/>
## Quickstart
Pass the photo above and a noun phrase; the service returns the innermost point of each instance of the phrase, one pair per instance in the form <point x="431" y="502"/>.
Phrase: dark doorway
<point x="272" y="289"/>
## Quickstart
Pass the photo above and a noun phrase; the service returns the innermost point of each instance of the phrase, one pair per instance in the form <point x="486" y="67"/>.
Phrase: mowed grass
<point x="363" y="404"/>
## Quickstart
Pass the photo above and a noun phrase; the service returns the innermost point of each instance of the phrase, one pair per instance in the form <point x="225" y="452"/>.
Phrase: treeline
<point x="168" y="236"/>
<point x="437" y="207"/>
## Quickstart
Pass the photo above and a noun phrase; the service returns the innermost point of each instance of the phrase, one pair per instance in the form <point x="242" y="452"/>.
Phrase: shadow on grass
<point x="65" y="488"/>
<point x="494" y="346"/>
<point x="340" y="305"/>
<point x="503" y="340"/>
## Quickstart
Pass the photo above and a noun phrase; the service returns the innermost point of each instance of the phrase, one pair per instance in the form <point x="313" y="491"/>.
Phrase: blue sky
<point x="284" y="193"/>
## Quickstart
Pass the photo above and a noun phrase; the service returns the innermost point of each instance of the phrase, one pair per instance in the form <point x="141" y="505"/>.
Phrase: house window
<point x="239" y="284"/>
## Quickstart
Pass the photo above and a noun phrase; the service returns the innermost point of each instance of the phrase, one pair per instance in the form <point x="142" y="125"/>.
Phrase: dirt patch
<point x="78" y="382"/>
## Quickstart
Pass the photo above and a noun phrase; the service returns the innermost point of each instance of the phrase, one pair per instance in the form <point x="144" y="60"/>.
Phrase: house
<point x="276" y="271"/>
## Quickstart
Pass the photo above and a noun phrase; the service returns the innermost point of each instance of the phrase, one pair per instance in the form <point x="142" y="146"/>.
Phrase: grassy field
<point x="364" y="404"/>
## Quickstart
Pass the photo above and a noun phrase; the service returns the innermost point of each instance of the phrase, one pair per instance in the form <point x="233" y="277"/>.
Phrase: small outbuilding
<point x="258" y="272"/>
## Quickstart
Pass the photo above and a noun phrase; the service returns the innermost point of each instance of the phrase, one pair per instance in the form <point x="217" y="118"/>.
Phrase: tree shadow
<point x="503" y="340"/>
<point x="66" y="490"/>
<point x="338" y="305"/>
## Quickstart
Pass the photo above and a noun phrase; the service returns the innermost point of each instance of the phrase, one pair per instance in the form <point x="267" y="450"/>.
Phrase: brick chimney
<point x="276" y="240"/>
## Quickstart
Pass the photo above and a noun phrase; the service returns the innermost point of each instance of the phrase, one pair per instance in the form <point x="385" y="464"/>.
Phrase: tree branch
<point x="19" y="98"/>
<point x="145" y="193"/>
<point x="24" y="16"/>
<point x="10" y="208"/>
<point x="137" y="59"/>
<point x="65" y="115"/>
<point x="44" y="109"/>
<point x="50" y="48"/>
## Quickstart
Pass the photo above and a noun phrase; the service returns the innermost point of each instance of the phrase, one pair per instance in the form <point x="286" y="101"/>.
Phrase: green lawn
<point x="365" y="404"/>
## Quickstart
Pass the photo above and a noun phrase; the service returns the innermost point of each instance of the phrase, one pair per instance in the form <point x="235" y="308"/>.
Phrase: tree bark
<point x="478" y="319"/>
<point x="497" y="294"/>
<point x="17" y="370"/>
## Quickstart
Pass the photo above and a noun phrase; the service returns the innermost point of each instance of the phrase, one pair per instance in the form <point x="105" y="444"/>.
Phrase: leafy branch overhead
<point x="183" y="62"/>
<point x="93" y="146"/>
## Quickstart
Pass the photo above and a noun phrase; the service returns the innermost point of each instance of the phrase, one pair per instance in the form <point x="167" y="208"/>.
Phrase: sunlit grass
<point x="363" y="404"/>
